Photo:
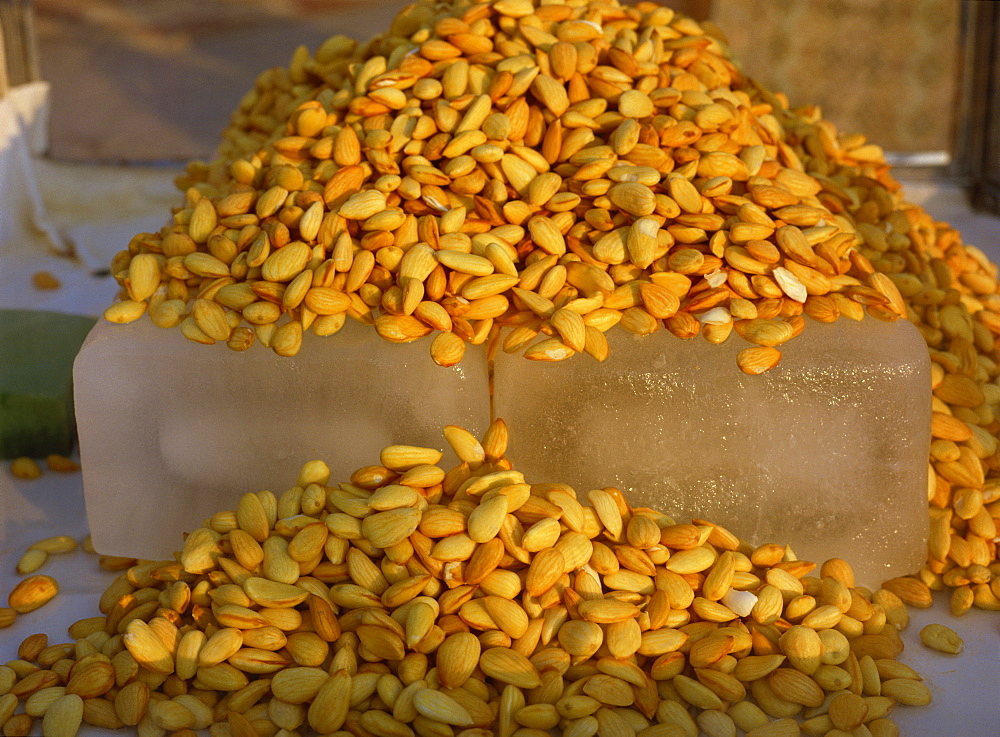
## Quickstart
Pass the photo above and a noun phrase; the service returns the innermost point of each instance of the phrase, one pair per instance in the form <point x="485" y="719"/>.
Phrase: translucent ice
<point x="827" y="452"/>
<point x="172" y="432"/>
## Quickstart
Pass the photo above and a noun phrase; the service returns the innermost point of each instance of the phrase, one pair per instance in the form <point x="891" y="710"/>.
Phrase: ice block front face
<point x="827" y="452"/>
<point x="172" y="431"/>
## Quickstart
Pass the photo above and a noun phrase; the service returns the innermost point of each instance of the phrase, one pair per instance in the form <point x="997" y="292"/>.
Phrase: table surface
<point x="965" y="688"/>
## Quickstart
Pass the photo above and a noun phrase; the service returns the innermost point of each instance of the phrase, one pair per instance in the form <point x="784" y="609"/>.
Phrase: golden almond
<point x="91" y="679"/>
<point x="758" y="360"/>
<point x="219" y="647"/>
<point x="55" y="544"/>
<point x="203" y="221"/>
<point x="100" y="712"/>
<point x="509" y="666"/>
<point x="848" y="711"/>
<point x="41" y="700"/>
<point x="143" y="276"/>
<point x="31" y="593"/>
<point x="31" y="561"/>
<point x="439" y="707"/>
<point x="385" y="529"/>
<point x="752" y="667"/>
<point x="803" y="648"/>
<point x="634" y="198"/>
<point x="605" y="611"/>
<point x="912" y="591"/>
<point x="34" y="680"/>
<point x="941" y="638"/>
<point x="551" y="94"/>
<point x="257" y="661"/>
<point x="906" y="691"/>
<point x="795" y="686"/>
<point x="330" y="701"/>
<point x="457" y="658"/>
<point x="147" y="648"/>
<point x="63" y="717"/>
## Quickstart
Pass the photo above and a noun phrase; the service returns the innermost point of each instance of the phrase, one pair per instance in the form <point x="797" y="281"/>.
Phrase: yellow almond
<point x="31" y="593"/>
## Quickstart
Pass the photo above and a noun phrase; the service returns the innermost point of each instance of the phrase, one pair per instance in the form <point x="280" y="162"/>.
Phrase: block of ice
<point x="172" y="432"/>
<point x="827" y="452"/>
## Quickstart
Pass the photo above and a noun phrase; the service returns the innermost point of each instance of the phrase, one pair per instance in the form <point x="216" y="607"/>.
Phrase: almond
<point x="31" y="593"/>
<point x="63" y="717"/>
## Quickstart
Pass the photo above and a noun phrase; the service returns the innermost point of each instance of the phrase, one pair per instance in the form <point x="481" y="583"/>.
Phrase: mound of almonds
<point x="412" y="600"/>
<point x="558" y="169"/>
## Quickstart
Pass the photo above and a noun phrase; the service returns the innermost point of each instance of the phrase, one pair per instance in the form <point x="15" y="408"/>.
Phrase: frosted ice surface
<point x="827" y="452"/>
<point x="172" y="432"/>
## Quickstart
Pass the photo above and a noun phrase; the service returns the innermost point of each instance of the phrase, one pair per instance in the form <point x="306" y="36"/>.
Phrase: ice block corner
<point x="172" y="431"/>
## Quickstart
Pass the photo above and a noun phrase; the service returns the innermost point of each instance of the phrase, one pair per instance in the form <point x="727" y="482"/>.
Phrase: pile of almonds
<point x="559" y="169"/>
<point x="412" y="600"/>
<point x="554" y="169"/>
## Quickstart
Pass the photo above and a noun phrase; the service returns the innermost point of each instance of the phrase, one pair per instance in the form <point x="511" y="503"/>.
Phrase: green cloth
<point x="36" y="381"/>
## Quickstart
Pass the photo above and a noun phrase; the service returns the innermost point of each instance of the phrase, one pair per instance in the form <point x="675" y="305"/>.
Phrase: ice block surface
<point x="172" y="432"/>
<point x="827" y="452"/>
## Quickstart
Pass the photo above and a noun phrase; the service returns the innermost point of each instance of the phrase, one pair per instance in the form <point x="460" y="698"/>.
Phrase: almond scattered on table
<point x="413" y="599"/>
<point x="45" y="280"/>
<point x="25" y="468"/>
<point x="941" y="638"/>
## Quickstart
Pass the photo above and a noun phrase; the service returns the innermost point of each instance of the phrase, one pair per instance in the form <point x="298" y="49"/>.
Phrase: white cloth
<point x="31" y="104"/>
<point x="66" y="219"/>
<point x="25" y="224"/>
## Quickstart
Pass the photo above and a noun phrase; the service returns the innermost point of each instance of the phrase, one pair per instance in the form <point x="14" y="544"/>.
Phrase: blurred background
<point x="154" y="81"/>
